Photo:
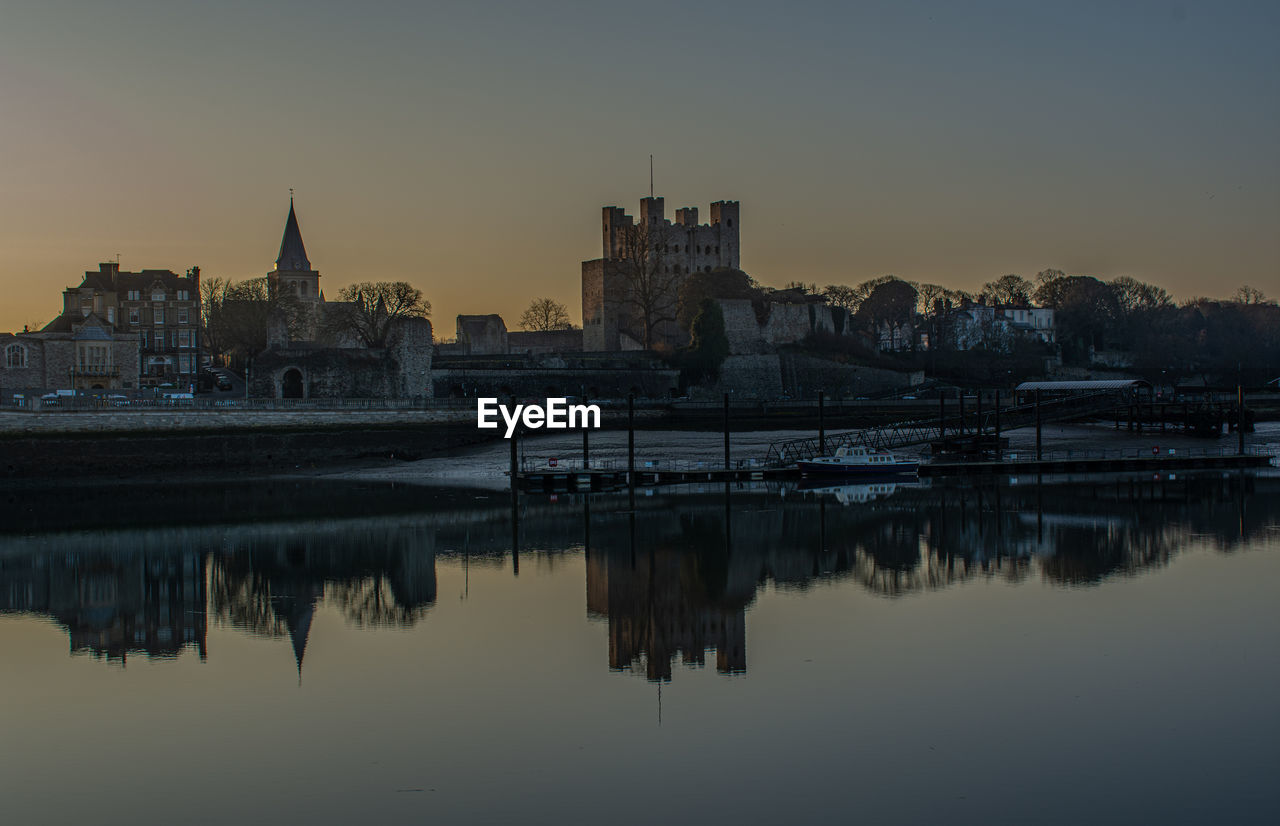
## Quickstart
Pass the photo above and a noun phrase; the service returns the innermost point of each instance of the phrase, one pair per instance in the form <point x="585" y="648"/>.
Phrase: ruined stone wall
<point x="548" y="341"/>
<point x="482" y="334"/>
<point x="785" y="324"/>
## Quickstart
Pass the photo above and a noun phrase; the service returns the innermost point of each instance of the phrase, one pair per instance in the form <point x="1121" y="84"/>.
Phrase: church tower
<point x="293" y="273"/>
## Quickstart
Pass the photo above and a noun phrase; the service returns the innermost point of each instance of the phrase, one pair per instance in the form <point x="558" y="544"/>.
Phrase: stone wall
<point x="482" y="334"/>
<point x="548" y="341"/>
<point x="20" y="379"/>
<point x="756" y="376"/>
<point x="400" y="370"/>
<point x="786" y="323"/>
<point x="544" y="382"/>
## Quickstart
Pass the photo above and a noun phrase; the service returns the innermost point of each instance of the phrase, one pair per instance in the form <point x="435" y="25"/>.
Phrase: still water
<point x="1051" y="651"/>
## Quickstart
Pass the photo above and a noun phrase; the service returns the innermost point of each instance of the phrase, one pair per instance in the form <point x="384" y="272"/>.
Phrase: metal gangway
<point x="925" y="431"/>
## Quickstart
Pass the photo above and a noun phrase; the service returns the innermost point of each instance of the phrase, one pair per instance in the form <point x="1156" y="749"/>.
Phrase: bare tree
<point x="652" y="281"/>
<point x="842" y="296"/>
<point x="545" y="314"/>
<point x="367" y="310"/>
<point x="1250" y="295"/>
<point x="1008" y="289"/>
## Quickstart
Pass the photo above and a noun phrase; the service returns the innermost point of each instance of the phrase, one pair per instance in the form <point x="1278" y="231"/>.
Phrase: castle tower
<point x="293" y="273"/>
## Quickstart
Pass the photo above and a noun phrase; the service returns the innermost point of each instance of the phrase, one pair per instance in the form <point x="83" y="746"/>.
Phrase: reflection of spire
<point x="299" y="623"/>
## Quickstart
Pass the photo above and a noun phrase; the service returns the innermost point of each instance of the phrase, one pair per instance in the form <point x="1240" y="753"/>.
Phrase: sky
<point x="468" y="147"/>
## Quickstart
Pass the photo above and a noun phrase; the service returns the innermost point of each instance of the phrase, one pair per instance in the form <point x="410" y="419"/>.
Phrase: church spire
<point x="293" y="254"/>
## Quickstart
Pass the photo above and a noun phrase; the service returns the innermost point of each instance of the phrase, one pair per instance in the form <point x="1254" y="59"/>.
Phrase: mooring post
<point x="1240" y="415"/>
<point x="586" y="455"/>
<point x="942" y="415"/>
<point x="999" y="453"/>
<point x="631" y="439"/>
<point x="1039" y="442"/>
<point x="960" y="396"/>
<point x="726" y="431"/>
<point x="978" y="420"/>
<point x="822" y="426"/>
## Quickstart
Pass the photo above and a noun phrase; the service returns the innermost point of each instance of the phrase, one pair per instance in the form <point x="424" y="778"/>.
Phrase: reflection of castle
<point x="660" y="607"/>
<point x="114" y="604"/>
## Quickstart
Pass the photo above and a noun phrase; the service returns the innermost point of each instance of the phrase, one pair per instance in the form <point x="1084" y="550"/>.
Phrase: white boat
<point x="858" y="461"/>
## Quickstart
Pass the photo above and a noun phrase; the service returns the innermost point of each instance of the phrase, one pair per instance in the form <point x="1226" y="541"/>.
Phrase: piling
<point x="726" y="431"/>
<point x="822" y="426"/>
<point x="942" y="415"/>
<point x="1039" y="428"/>
<point x="998" y="451"/>
<point x="1240" y="416"/>
<point x="586" y="455"/>
<point x="631" y="439"/>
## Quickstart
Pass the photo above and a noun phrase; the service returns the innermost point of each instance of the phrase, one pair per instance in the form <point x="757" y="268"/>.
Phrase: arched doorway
<point x="291" y="384"/>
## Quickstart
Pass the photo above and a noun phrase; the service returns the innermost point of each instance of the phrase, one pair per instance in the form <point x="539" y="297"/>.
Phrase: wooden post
<point x="942" y="415"/>
<point x="631" y="439"/>
<point x="998" y="451"/>
<point x="1240" y="415"/>
<point x="978" y="421"/>
<point x="586" y="456"/>
<point x="1039" y="442"/>
<point x="726" y="431"/>
<point x="822" y="426"/>
<point x="960" y="398"/>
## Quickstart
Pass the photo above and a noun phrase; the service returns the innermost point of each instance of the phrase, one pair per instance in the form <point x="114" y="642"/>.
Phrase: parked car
<point x="224" y="382"/>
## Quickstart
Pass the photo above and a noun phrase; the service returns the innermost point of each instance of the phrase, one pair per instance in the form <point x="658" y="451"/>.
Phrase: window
<point x="158" y="314"/>
<point x="134" y="313"/>
<point x="111" y="315"/>
<point x="85" y="308"/>
<point x="15" y="355"/>
<point x="184" y="338"/>
<point x="142" y="340"/>
<point x="184" y="363"/>
<point x="729" y="222"/>
<point x="182" y="315"/>
<point x="135" y="295"/>
<point x="302" y="287"/>
<point x="676" y="248"/>
<point x="157" y="295"/>
<point x="183" y="295"/>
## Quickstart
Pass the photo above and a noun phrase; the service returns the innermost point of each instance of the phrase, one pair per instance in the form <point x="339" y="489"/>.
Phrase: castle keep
<point x="610" y="300"/>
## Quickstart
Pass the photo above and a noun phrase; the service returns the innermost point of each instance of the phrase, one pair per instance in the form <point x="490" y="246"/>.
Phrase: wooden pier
<point x="552" y="480"/>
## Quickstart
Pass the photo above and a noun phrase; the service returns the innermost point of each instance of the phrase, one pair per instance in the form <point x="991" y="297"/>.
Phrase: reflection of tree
<point x="273" y="584"/>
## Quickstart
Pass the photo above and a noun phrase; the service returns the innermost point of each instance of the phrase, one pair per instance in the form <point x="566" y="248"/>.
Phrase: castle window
<point x="15" y="355"/>
<point x="717" y="249"/>
<point x="302" y="287"/>
<point x="676" y="248"/>
<point x="729" y="221"/>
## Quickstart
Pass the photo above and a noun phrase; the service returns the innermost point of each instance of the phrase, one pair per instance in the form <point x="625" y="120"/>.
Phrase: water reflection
<point x="673" y="574"/>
